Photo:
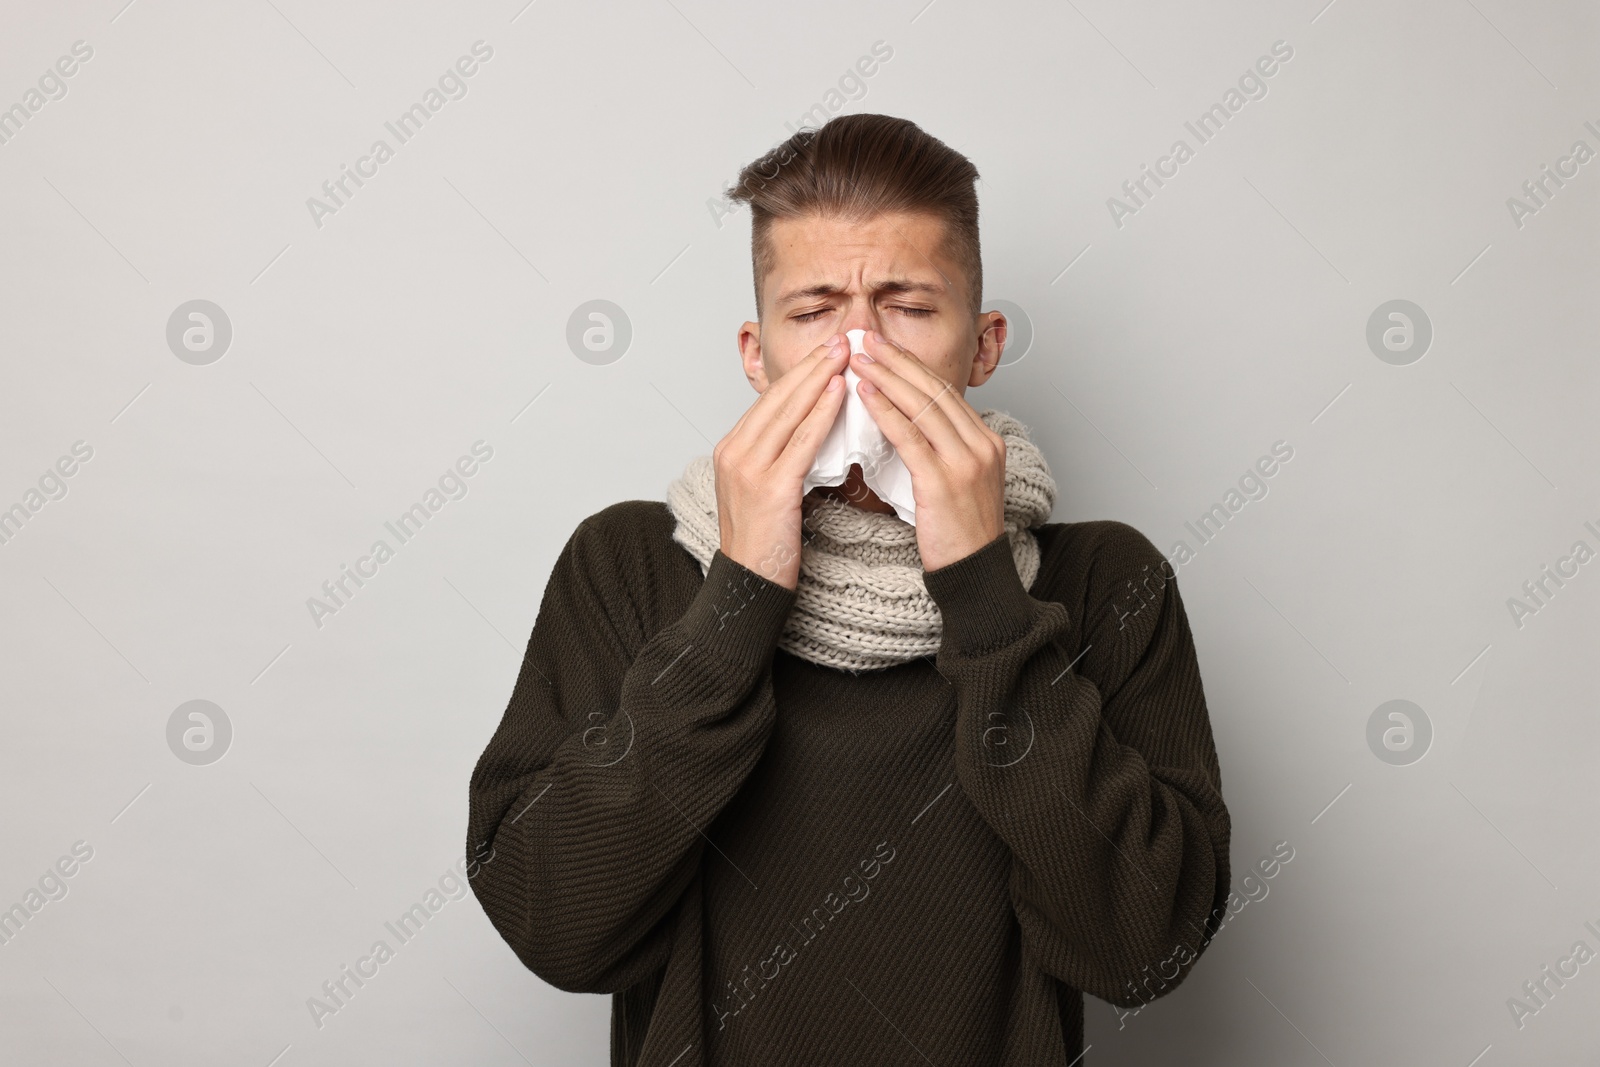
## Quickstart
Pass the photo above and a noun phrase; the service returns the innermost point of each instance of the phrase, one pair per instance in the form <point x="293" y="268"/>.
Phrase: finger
<point x="790" y="400"/>
<point x="738" y="438"/>
<point x="806" y="441"/>
<point x="779" y="387"/>
<point x="931" y="463"/>
<point x="910" y="443"/>
<point x="744" y="443"/>
<point x="905" y="363"/>
<point x="920" y="409"/>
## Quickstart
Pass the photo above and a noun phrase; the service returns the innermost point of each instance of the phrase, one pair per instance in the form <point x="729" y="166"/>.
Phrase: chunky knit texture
<point x="769" y="862"/>
<point x="861" y="603"/>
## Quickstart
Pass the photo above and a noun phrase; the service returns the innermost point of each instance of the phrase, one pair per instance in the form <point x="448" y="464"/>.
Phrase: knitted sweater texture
<point x="767" y="861"/>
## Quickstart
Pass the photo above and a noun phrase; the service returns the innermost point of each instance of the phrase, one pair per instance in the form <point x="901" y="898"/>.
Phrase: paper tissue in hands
<point x="855" y="438"/>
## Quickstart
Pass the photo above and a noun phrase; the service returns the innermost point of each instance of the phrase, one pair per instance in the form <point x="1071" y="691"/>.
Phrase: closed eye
<point x="807" y="316"/>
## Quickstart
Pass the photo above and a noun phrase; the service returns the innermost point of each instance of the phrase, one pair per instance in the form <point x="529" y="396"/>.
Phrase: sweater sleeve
<point x="618" y="748"/>
<point x="1100" y="776"/>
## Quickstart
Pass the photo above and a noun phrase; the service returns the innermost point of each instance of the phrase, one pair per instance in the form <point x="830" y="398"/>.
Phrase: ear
<point x="991" y="343"/>
<point x="755" y="371"/>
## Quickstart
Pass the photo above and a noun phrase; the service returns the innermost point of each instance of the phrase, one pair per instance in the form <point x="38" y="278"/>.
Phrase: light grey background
<point x="584" y="163"/>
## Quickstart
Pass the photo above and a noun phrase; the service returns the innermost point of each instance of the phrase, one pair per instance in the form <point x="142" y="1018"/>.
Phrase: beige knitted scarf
<point x="861" y="603"/>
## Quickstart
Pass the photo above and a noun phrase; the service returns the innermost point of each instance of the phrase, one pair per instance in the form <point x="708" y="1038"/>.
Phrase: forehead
<point x="817" y="249"/>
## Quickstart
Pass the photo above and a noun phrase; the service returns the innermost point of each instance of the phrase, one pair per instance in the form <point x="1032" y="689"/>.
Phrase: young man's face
<point x="889" y="273"/>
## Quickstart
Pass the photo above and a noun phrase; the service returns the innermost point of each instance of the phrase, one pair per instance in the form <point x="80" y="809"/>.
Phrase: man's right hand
<point x="762" y="462"/>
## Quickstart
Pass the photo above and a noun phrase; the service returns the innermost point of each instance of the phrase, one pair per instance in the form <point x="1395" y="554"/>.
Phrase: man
<point x="799" y="782"/>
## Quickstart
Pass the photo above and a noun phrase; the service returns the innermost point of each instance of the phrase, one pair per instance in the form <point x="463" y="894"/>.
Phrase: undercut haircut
<point x="856" y="167"/>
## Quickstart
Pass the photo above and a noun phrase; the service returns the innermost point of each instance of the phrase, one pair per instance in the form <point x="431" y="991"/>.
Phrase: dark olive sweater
<point x="769" y="862"/>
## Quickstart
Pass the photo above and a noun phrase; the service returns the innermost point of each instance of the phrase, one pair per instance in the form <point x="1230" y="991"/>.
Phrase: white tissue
<point x="855" y="438"/>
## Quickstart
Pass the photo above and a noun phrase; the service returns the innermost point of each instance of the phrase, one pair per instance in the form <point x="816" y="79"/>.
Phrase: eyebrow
<point x="894" y="285"/>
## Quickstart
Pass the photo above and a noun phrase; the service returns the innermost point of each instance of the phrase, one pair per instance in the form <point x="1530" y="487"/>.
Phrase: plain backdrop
<point x="1167" y="349"/>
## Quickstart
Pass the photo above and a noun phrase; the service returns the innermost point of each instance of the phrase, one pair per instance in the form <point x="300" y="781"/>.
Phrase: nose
<point x="859" y="318"/>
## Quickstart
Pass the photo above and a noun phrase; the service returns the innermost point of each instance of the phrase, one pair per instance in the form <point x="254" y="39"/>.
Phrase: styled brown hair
<point x="858" y="166"/>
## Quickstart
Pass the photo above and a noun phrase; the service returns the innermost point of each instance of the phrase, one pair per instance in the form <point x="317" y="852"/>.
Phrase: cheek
<point x="919" y="337"/>
<point x="779" y="360"/>
<point x="947" y="371"/>
<point x="940" y="354"/>
<point x="787" y="346"/>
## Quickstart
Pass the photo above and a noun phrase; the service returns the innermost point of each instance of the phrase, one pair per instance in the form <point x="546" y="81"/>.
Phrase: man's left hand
<point x="957" y="463"/>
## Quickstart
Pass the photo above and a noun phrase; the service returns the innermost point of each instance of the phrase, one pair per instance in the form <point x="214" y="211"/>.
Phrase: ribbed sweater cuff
<point x="982" y="599"/>
<point x="737" y="615"/>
